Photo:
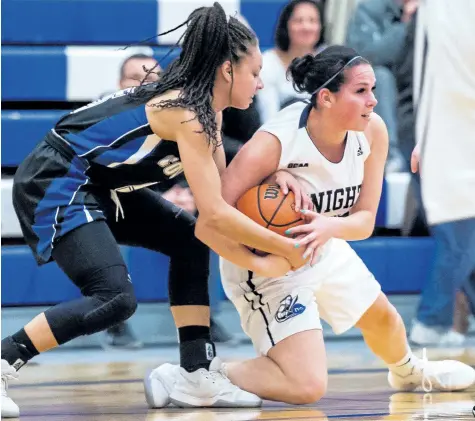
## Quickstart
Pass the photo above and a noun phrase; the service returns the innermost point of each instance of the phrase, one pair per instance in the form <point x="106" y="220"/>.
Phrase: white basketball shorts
<point x="339" y="289"/>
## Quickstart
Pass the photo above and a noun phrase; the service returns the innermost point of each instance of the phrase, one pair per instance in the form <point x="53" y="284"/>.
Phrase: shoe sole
<point x="186" y="401"/>
<point x="10" y="414"/>
<point x="148" y="389"/>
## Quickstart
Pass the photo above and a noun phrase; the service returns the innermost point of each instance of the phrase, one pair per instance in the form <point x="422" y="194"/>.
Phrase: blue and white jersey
<point x="113" y="137"/>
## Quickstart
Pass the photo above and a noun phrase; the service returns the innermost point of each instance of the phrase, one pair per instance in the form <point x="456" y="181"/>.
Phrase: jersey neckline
<point x="303" y="125"/>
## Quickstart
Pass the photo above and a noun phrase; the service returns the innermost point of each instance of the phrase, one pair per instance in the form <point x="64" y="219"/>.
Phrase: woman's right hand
<point x="416" y="158"/>
<point x="296" y="256"/>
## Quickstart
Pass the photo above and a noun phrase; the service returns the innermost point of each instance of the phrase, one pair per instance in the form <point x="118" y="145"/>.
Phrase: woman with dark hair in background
<point x="68" y="196"/>
<point x="299" y="31"/>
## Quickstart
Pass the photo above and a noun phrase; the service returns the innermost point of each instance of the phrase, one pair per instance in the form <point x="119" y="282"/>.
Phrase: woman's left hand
<point x="287" y="182"/>
<point x="317" y="230"/>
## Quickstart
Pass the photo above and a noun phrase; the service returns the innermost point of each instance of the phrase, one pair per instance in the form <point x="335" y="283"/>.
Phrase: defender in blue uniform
<point x="70" y="198"/>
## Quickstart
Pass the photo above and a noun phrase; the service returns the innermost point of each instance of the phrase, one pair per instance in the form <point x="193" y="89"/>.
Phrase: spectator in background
<point x="299" y="32"/>
<point x="445" y="69"/>
<point x="415" y="221"/>
<point x="377" y="31"/>
<point x="134" y="71"/>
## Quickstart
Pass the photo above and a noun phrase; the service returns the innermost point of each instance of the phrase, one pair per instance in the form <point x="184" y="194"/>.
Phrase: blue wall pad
<point x="22" y="130"/>
<point x="115" y="22"/>
<point x="30" y="73"/>
<point x="401" y="265"/>
<point x="24" y="283"/>
<point x="78" y="21"/>
<point x="67" y="73"/>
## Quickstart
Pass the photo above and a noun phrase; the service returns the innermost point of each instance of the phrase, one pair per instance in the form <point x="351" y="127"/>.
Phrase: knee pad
<point x="116" y="300"/>
<point x="109" y="299"/>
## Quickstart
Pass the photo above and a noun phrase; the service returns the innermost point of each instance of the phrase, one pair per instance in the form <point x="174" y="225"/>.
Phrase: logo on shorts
<point x="289" y="307"/>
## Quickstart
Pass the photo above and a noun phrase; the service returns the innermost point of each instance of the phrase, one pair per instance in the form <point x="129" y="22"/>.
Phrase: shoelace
<point x="219" y="377"/>
<point x="118" y="205"/>
<point x="10" y="374"/>
<point x="425" y="379"/>
<point x="426" y="404"/>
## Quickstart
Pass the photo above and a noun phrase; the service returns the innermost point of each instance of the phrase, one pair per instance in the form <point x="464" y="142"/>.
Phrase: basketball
<point x="270" y="208"/>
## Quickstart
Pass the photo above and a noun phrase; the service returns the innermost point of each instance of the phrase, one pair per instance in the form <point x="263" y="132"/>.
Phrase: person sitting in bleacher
<point x="377" y="30"/>
<point x="299" y="31"/>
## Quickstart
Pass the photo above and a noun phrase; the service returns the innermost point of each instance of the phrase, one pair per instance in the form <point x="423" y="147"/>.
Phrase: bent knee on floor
<point x="309" y="391"/>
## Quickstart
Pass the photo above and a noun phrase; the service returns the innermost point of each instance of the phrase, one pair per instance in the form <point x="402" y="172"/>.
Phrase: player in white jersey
<point x="335" y="149"/>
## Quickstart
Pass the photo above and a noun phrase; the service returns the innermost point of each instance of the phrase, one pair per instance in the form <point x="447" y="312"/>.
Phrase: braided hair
<point x="209" y="40"/>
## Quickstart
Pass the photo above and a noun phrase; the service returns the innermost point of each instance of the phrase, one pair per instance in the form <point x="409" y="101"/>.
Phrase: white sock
<point x="404" y="367"/>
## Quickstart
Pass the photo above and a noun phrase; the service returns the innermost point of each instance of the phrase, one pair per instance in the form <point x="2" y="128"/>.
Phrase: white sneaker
<point x="424" y="335"/>
<point x="445" y="375"/>
<point x="9" y="408"/>
<point x="452" y="338"/>
<point x="158" y="385"/>
<point x="204" y="388"/>
<point x="471" y="324"/>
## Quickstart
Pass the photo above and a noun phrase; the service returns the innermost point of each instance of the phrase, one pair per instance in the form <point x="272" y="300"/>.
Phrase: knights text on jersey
<point x="334" y="187"/>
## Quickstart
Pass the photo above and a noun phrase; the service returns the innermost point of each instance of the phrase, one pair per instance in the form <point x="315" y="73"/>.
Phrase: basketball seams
<point x="262" y="208"/>
<point x="259" y="207"/>
<point x="269" y="222"/>
<point x="275" y="212"/>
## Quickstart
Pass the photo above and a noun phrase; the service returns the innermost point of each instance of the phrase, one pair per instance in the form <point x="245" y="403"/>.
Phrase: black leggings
<point x="91" y="258"/>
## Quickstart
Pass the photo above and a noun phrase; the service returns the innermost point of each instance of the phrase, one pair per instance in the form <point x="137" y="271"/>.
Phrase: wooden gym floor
<point x="65" y="387"/>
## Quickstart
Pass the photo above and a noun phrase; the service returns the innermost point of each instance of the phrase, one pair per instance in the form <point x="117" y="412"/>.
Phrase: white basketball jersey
<point x="334" y="187"/>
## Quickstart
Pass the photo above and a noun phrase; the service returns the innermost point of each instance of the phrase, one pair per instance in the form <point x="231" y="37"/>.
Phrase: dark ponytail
<point x="326" y="69"/>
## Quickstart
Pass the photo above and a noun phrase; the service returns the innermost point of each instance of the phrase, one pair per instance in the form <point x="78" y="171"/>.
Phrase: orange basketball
<point x="269" y="207"/>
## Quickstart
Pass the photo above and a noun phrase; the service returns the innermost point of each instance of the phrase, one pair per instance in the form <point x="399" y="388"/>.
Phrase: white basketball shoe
<point x="9" y="408"/>
<point x="158" y="385"/>
<point x="202" y="388"/>
<point x="447" y="375"/>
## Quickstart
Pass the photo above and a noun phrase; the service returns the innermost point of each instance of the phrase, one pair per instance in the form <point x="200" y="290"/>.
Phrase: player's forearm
<point x="357" y="226"/>
<point x="231" y="223"/>
<point x="228" y="249"/>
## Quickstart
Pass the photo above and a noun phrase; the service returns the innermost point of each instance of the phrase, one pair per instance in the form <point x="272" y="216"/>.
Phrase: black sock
<point x="18" y="349"/>
<point x="196" y="348"/>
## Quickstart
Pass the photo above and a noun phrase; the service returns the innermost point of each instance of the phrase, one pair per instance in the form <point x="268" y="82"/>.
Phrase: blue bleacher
<point x="44" y="56"/>
<point x="22" y="130"/>
<point x="113" y="22"/>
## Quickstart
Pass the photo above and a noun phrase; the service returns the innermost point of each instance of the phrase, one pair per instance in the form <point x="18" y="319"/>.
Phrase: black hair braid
<point x="208" y="41"/>
<point x="205" y="47"/>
